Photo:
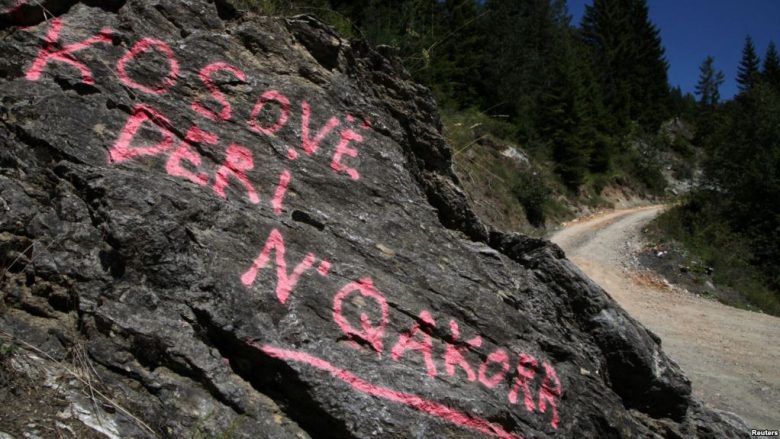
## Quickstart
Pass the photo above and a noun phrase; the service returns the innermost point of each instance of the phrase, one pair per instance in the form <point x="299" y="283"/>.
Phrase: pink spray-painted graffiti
<point x="533" y="380"/>
<point x="426" y="406"/>
<point x="284" y="283"/>
<point x="239" y="159"/>
<point x="537" y="380"/>
<point x="370" y="334"/>
<point x="185" y="152"/>
<point x="144" y="45"/>
<point x="281" y="121"/>
<point x="205" y="76"/>
<point x="454" y="355"/>
<point x="50" y="53"/>
<point x="237" y="163"/>
<point x="423" y="344"/>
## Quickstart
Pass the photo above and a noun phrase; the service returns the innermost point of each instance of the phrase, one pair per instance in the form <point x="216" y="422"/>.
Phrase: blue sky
<point x="693" y="29"/>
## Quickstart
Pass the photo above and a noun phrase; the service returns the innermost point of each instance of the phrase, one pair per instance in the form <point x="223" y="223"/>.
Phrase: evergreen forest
<point x="590" y="106"/>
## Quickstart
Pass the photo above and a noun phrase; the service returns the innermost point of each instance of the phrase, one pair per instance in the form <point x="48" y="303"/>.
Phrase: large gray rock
<point x="251" y="225"/>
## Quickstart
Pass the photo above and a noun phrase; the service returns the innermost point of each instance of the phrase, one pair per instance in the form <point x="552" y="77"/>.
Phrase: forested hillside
<point x="731" y="222"/>
<point x="588" y="105"/>
<point x="564" y="91"/>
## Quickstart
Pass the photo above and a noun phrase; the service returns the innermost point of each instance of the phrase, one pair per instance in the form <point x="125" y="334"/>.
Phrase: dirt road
<point x="731" y="356"/>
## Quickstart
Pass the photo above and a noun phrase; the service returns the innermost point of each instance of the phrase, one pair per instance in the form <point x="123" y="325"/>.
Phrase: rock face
<point x="250" y="225"/>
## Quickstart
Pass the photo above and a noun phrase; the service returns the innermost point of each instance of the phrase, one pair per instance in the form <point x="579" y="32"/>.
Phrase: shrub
<point x="698" y="226"/>
<point x="641" y="163"/>
<point x="532" y="192"/>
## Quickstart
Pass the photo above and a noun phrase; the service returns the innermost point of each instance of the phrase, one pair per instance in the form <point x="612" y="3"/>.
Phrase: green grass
<point x="728" y="253"/>
<point x="507" y="194"/>
<point x="640" y="167"/>
<point x="286" y="8"/>
<point x="7" y="349"/>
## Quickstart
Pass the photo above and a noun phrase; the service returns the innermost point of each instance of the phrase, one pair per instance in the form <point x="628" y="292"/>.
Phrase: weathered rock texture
<point x="248" y="225"/>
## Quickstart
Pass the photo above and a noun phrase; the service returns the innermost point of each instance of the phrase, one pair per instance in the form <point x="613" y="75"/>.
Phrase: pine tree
<point x="771" y="71"/>
<point x="745" y="167"/>
<point x="604" y="28"/>
<point x="682" y="105"/>
<point x="650" y="85"/>
<point x="519" y="44"/>
<point x="460" y="47"/>
<point x="566" y="110"/>
<point x="748" y="75"/>
<point x="709" y="82"/>
<point x="708" y="114"/>
<point x="628" y="54"/>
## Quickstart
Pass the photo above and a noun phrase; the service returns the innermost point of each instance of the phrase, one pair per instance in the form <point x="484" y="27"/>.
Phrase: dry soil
<point x="730" y="355"/>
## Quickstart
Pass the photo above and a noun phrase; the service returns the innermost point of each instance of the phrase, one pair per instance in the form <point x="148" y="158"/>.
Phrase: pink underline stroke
<point x="432" y="408"/>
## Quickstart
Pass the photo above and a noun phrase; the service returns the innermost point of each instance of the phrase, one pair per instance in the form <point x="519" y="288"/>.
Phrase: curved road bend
<point x="731" y="356"/>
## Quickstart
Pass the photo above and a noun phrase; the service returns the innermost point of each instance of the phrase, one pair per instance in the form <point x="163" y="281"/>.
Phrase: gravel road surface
<point x="731" y="356"/>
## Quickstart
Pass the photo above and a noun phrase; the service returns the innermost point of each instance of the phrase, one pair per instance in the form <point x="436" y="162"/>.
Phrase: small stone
<point x="387" y="252"/>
